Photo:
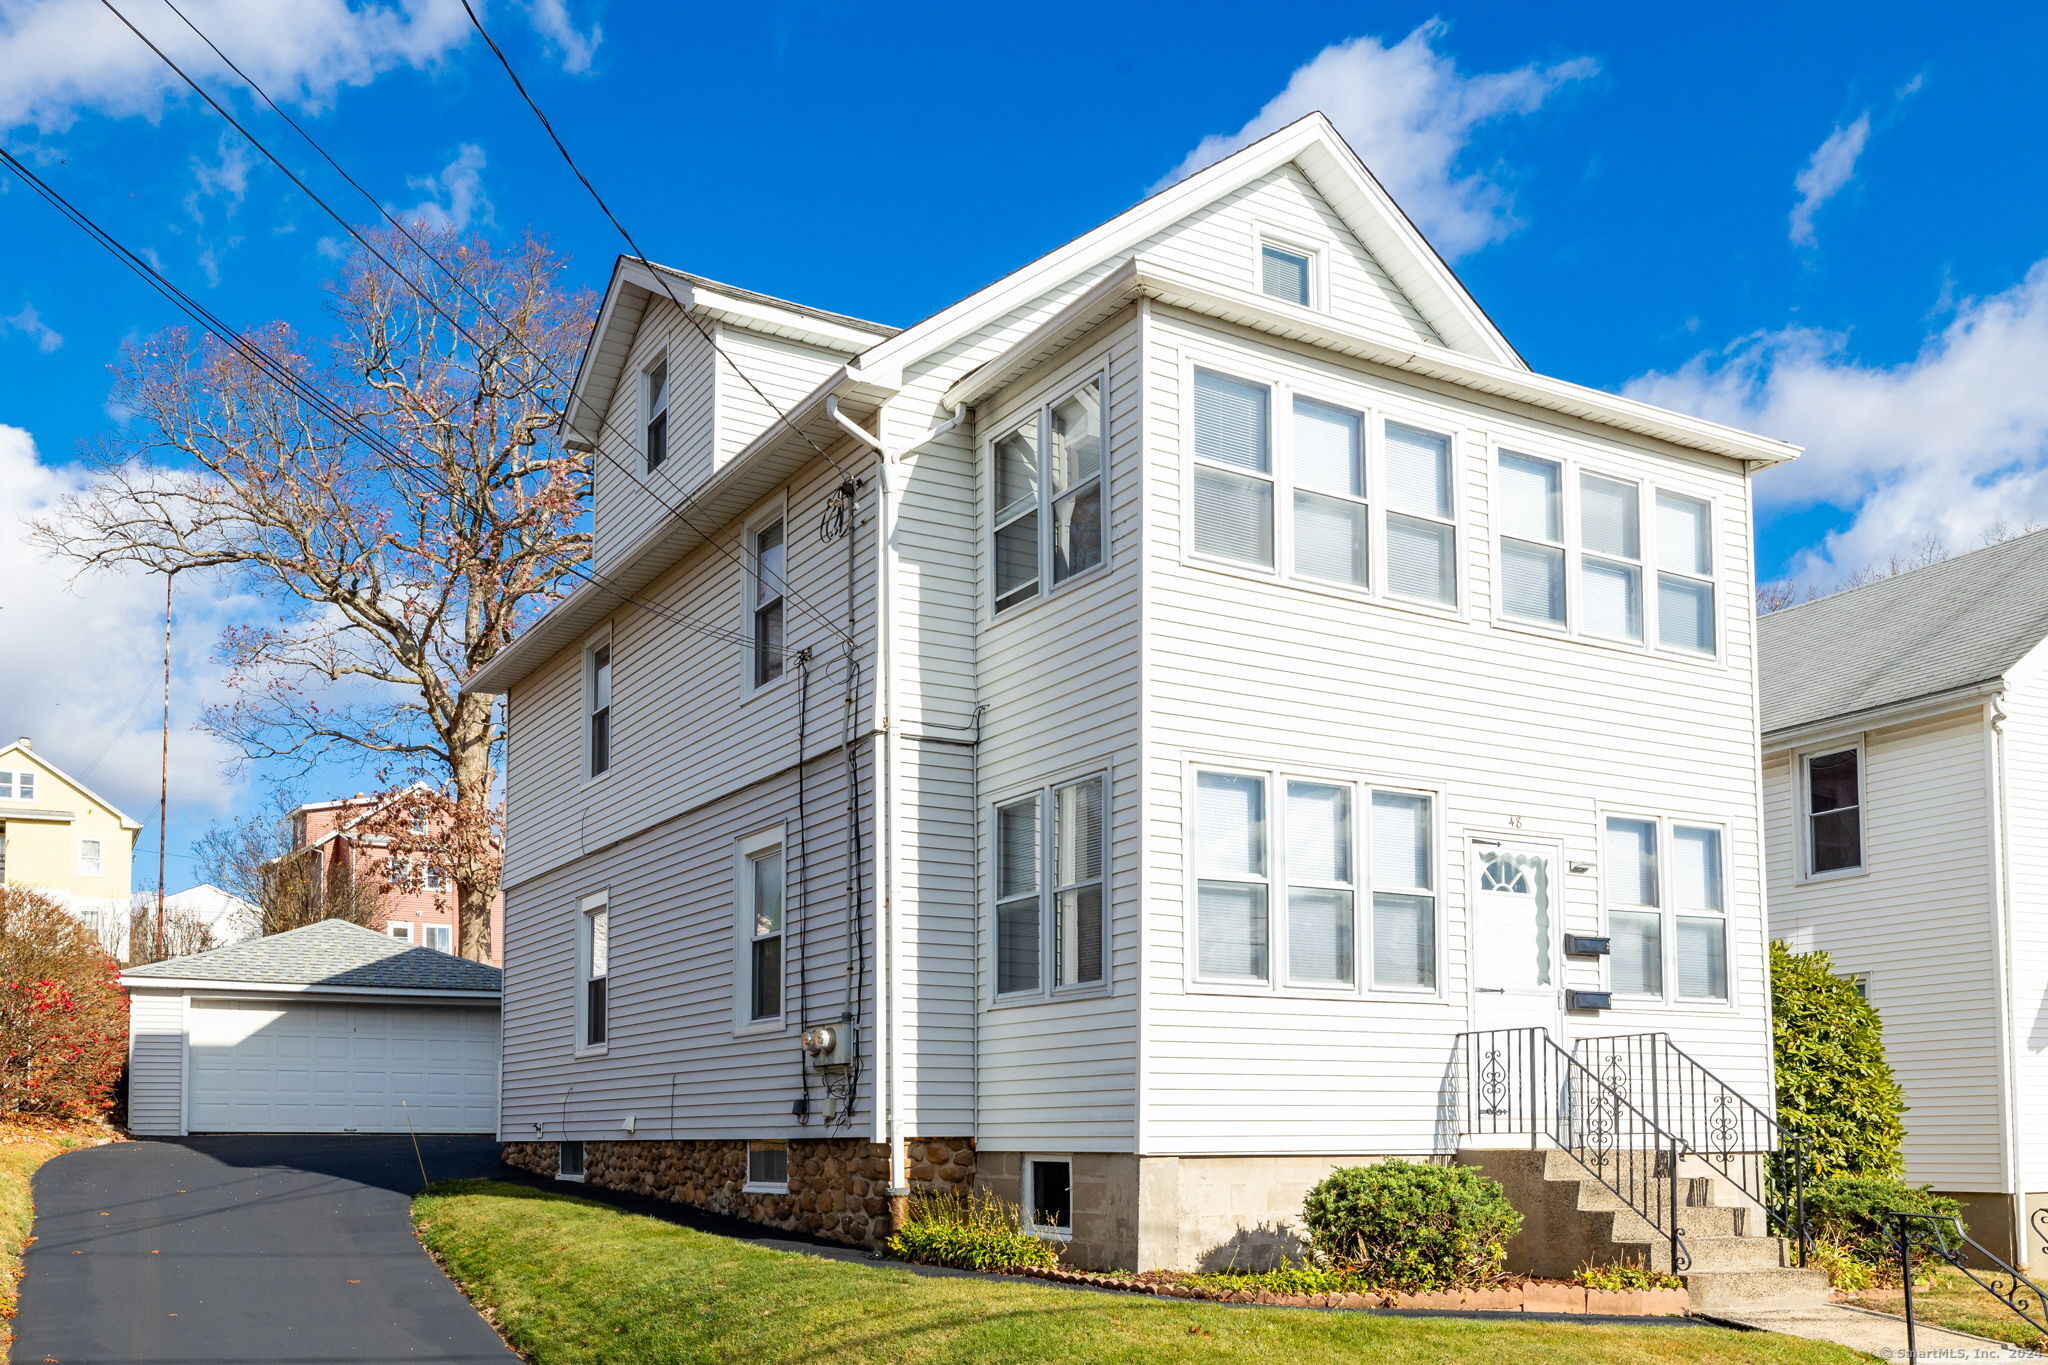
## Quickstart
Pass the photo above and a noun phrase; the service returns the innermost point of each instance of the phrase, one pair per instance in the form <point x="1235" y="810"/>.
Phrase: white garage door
<point x="260" y="1066"/>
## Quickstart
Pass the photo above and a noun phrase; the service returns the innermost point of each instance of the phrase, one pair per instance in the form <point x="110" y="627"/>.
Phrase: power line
<point x="427" y="297"/>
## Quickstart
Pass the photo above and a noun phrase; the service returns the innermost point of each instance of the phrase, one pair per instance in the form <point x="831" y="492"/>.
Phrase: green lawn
<point x="1958" y="1301"/>
<point x="569" y="1280"/>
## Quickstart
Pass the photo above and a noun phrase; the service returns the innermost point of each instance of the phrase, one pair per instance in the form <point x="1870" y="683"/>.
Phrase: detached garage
<point x="333" y="1028"/>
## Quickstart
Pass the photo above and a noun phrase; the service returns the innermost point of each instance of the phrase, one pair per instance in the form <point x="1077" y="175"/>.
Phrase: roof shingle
<point x="330" y="953"/>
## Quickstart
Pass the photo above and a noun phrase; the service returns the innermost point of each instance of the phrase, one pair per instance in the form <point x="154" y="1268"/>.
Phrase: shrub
<point x="63" y="1021"/>
<point x="1850" y="1210"/>
<point x="1289" y="1277"/>
<point x="1835" y="1089"/>
<point x="975" y="1232"/>
<point x="1412" y="1227"/>
<point x="1623" y="1276"/>
<point x="1846" y="1270"/>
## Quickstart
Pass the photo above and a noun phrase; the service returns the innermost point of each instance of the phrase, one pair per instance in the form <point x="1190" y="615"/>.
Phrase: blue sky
<point x="1620" y="185"/>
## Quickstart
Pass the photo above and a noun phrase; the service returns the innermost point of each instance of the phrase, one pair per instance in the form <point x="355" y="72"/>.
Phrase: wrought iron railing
<point x="1520" y="1082"/>
<point x="1731" y="1136"/>
<point x="2001" y="1281"/>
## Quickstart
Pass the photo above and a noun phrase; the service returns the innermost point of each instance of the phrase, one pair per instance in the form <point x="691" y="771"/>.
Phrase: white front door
<point x="1515" y="946"/>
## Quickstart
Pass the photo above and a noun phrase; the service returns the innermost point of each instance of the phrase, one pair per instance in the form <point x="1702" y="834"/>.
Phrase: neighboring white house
<point x="226" y="916"/>
<point x="332" y="1028"/>
<point x="1905" y="730"/>
<point x="1236" y="677"/>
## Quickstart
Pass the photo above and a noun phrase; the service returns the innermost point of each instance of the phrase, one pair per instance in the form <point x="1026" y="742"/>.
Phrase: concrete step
<point x="1693" y="1224"/>
<point x="1646" y="1247"/>
<point x="1706" y="1220"/>
<point x="1734" y="1291"/>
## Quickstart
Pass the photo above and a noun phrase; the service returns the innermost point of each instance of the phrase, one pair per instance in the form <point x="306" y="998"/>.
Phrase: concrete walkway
<point x="1879" y="1334"/>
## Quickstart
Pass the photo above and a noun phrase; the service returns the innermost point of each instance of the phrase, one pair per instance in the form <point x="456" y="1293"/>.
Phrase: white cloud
<point x="30" y="324"/>
<point x="455" y="193"/>
<point x="1831" y="167"/>
<point x="1411" y="115"/>
<point x="90" y="650"/>
<point x="551" y="21"/>
<point x="1953" y="442"/>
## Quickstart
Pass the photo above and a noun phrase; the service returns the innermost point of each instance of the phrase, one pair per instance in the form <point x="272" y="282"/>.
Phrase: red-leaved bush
<point x="63" y="1019"/>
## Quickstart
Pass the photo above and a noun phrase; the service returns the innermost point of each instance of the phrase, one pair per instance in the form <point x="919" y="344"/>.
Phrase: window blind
<point x="1231" y="929"/>
<point x="1611" y="598"/>
<point x="1319" y="936"/>
<point x="1284" y="274"/>
<point x="600" y="943"/>
<point x="1418" y="471"/>
<point x="1635" y="952"/>
<point x="1695" y="868"/>
<point x="1327" y="446"/>
<point x="1632" y="862"/>
<point x="1230" y="825"/>
<point x="1532" y="580"/>
<point x="1702" y="959"/>
<point x="1330" y="538"/>
<point x="1077" y="815"/>
<point x="1318" y="827"/>
<point x="1079" y="914"/>
<point x="1608" y="517"/>
<point x="1684" y="540"/>
<point x="1233" y="516"/>
<point x="1017" y="945"/>
<point x="1685" y="614"/>
<point x="1400" y="840"/>
<point x="1531" y="498"/>
<point x="1403" y="941"/>
<point x="1421" y="559"/>
<point x="1230" y="421"/>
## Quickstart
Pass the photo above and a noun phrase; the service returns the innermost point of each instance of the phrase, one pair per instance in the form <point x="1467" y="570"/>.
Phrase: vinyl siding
<point x="1921" y="921"/>
<point x="156" y="1063"/>
<point x="780" y="372"/>
<point x="628" y="499"/>
<point x="2025" y="738"/>
<point x="1523" y="734"/>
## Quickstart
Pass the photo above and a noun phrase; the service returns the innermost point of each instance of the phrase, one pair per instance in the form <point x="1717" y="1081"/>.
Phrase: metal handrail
<point x="1521" y="1081"/>
<point x="2005" y="1284"/>
<point x="1721" y="1126"/>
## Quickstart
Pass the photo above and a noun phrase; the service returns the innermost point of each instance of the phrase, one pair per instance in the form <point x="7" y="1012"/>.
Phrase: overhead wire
<point x="427" y="297"/>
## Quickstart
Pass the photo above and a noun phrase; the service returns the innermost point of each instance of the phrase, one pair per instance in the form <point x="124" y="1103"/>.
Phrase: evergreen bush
<point x="1412" y="1227"/>
<point x="1835" y="1089"/>
<point x="1851" y="1211"/>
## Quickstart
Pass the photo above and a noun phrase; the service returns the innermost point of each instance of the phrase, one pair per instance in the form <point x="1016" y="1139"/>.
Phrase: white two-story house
<point x="1115" y="740"/>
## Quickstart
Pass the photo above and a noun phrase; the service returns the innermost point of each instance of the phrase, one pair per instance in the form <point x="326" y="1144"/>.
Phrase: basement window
<point x="1049" y="1196"/>
<point x="767" y="1167"/>
<point x="568" y="1161"/>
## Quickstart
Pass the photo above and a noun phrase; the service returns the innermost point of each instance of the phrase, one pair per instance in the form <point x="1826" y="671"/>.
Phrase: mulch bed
<point x="1529" y="1296"/>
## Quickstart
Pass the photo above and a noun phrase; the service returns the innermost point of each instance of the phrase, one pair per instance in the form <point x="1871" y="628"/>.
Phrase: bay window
<point x="1666" y="909"/>
<point x="1577" y="553"/>
<point x="1305" y="497"/>
<point x="1051" y="888"/>
<point x="1048" y="491"/>
<point x="1281" y="907"/>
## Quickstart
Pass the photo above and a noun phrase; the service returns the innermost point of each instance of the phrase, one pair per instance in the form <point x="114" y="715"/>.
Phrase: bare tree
<point x="259" y="859"/>
<point x="182" y="933"/>
<point x="1919" y="554"/>
<point x="391" y="564"/>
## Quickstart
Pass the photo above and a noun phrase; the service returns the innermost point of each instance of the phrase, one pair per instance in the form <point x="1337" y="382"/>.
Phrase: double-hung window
<point x="1834" y="811"/>
<point x="1578" y="551"/>
<point x="1666" y="909"/>
<point x="769" y="555"/>
<point x="597" y="691"/>
<point x="1048" y="492"/>
<point x="594" y="955"/>
<point x="1286" y="274"/>
<point x="656" y="384"/>
<point x="1051" y="880"/>
<point x="90" y="857"/>
<point x="438" y="936"/>
<point x="1305" y="497"/>
<point x="1279" y="882"/>
<point x="760" y="931"/>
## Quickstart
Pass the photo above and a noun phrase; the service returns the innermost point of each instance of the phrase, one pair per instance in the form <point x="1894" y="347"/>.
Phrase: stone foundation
<point x="838" y="1187"/>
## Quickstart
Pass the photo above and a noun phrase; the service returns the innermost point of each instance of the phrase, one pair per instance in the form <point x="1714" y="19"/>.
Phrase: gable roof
<point x="25" y="749"/>
<point x="1312" y="143"/>
<point x="1946" y="628"/>
<point x="330" y="953"/>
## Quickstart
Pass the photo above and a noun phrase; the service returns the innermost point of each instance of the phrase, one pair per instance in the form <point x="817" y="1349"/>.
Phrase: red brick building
<point x="415" y="899"/>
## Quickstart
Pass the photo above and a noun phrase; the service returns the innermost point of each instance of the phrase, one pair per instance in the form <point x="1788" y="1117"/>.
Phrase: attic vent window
<point x="1284" y="274"/>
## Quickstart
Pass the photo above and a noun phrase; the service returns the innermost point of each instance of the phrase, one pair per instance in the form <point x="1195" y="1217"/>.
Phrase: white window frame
<point x="433" y="878"/>
<point x="1045" y="795"/>
<point x="95" y="863"/>
<point x="1803" y="788"/>
<point x="1024" y="1202"/>
<point x="582" y="1160"/>
<point x="1040" y="415"/>
<point x="752" y="600"/>
<point x="1318" y="267"/>
<point x="1377" y="412"/>
<point x="753" y="1186"/>
<point x="745" y="850"/>
<point x="444" y="932"/>
<point x="21" y="784"/>
<point x="1572" y="465"/>
<point x="649" y="413"/>
<point x="1363" y="884"/>
<point x="592" y="643"/>
<point x="1669" y="914"/>
<point x="399" y="929"/>
<point x="586" y="909"/>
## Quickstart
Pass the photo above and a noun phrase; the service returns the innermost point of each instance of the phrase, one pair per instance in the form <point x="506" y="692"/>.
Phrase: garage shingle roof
<point x="330" y="953"/>
<point x="1951" y="625"/>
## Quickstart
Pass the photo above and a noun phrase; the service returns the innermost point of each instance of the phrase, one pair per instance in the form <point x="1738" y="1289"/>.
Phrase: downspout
<point x="2015" y="1163"/>
<point x="889" y="1024"/>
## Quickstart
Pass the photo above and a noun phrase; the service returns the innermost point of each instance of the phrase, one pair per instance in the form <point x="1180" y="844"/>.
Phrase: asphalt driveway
<point x="292" y="1250"/>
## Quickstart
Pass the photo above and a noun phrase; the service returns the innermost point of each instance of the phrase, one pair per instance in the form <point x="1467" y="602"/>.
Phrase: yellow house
<point x="57" y="836"/>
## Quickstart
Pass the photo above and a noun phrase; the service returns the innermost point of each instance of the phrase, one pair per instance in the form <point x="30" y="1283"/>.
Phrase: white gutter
<point x="176" y="983"/>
